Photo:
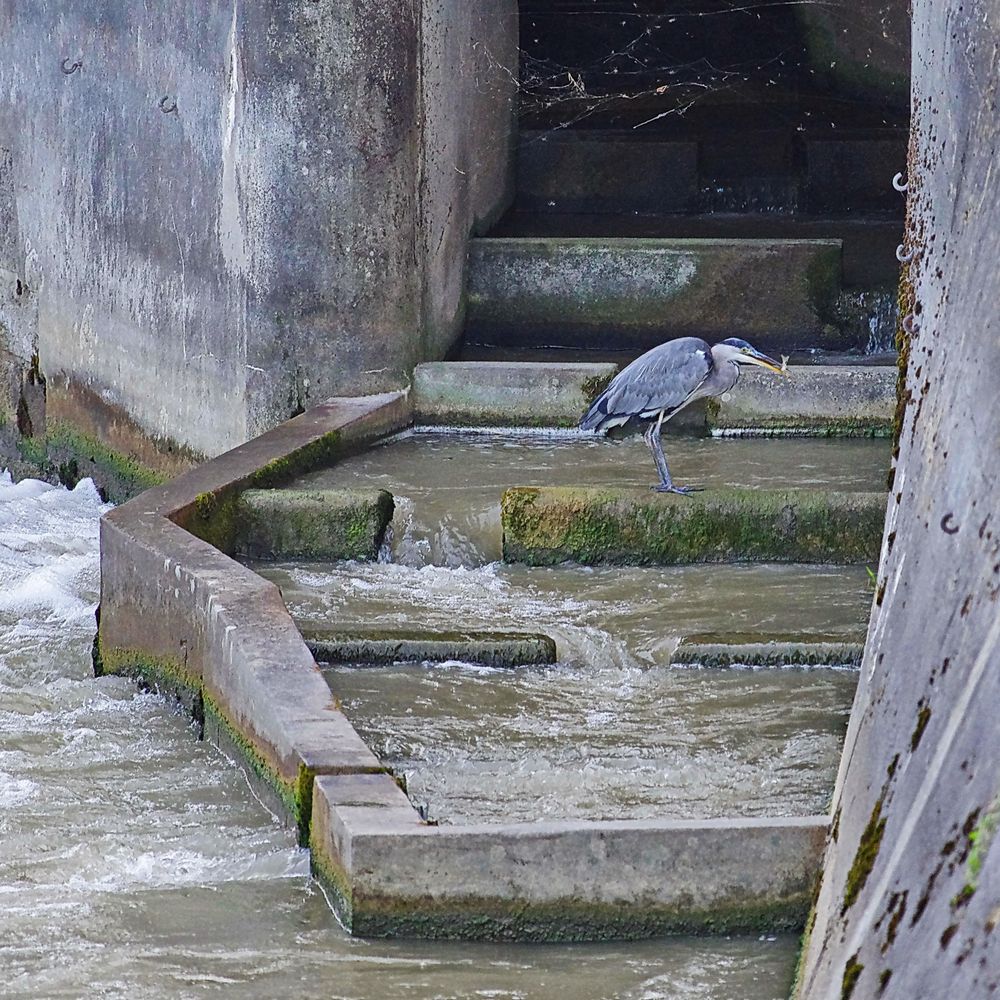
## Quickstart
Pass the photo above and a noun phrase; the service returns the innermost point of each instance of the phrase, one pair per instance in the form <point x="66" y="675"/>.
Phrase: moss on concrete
<point x="66" y="456"/>
<point x="864" y="857"/>
<point x="548" y="526"/>
<point x="216" y="516"/>
<point x="170" y="676"/>
<point x="323" y="451"/>
<point x="335" y="881"/>
<point x="307" y="524"/>
<point x="852" y="972"/>
<point x="495" y="649"/>
<point x="478" y="919"/>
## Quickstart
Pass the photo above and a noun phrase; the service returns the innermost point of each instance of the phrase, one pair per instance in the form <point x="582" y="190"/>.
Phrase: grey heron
<point x="664" y="380"/>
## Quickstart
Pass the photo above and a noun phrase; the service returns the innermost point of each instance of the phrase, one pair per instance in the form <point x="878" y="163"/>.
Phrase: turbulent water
<point x="612" y="731"/>
<point x="135" y="863"/>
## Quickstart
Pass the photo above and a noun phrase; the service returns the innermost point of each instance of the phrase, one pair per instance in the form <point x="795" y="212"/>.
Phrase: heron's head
<point x="743" y="353"/>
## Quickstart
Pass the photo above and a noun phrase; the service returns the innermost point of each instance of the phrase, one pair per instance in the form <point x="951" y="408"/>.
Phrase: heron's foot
<point x="684" y="491"/>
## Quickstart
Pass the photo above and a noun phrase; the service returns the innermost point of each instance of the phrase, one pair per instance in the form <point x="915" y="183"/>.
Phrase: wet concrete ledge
<point x="391" y="875"/>
<point x="769" y="654"/>
<point x="835" y="401"/>
<point x="383" y="647"/>
<point x="596" y="525"/>
<point x="821" y="400"/>
<point x="177" y="611"/>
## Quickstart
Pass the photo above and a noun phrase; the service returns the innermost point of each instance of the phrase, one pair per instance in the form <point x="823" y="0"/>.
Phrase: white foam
<point x="15" y="791"/>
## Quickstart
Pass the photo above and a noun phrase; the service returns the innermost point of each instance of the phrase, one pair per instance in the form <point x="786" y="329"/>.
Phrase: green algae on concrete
<point x="547" y="526"/>
<point x="311" y="524"/>
<point x="493" y="649"/>
<point x="66" y="456"/>
<point x="567" y="921"/>
<point x="172" y="678"/>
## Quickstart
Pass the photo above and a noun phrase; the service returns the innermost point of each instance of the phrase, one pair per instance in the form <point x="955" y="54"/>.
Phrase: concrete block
<point x="546" y="526"/>
<point x="563" y="881"/>
<point x="814" y="399"/>
<point x="598" y="171"/>
<point x="312" y="524"/>
<point x="769" y="654"/>
<point x="493" y="649"/>
<point x="635" y="293"/>
<point x="521" y="394"/>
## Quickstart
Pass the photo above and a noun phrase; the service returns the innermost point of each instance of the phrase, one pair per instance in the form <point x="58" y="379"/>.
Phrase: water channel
<point x="135" y="862"/>
<point x="612" y="731"/>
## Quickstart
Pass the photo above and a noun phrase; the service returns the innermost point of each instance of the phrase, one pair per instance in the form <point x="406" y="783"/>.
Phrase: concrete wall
<point x="235" y="209"/>
<point x="910" y="899"/>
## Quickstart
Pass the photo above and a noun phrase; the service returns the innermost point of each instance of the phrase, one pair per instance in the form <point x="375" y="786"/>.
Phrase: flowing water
<point x="135" y="863"/>
<point x="612" y="730"/>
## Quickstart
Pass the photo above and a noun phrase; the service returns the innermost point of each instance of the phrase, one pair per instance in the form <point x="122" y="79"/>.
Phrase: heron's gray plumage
<point x="664" y="380"/>
<point x="661" y="381"/>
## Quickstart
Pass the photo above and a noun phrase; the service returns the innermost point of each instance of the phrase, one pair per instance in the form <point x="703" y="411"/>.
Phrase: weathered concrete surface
<point x="500" y="393"/>
<point x="546" y="526"/>
<point x="180" y="613"/>
<point x="241" y="209"/>
<point x="391" y="875"/>
<point x="382" y="648"/>
<point x="579" y="292"/>
<point x="312" y="524"/>
<point x="909" y="900"/>
<point x="770" y="653"/>
<point x="817" y="399"/>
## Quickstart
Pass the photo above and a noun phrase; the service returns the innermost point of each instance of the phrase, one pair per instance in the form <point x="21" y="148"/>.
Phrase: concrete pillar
<point x="224" y="212"/>
<point x="910" y="897"/>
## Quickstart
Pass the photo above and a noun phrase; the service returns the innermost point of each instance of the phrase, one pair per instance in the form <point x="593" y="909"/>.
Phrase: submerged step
<point x="551" y="525"/>
<point x="635" y="293"/>
<point x="770" y="653"/>
<point x="381" y="648"/>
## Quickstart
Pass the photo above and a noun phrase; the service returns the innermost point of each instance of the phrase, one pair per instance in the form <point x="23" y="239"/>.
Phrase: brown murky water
<point x="136" y="865"/>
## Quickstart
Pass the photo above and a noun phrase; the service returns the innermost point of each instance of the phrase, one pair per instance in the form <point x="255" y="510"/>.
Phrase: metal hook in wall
<point x="70" y="66"/>
<point x="168" y="105"/>
<point x="899" y="184"/>
<point x="905" y="258"/>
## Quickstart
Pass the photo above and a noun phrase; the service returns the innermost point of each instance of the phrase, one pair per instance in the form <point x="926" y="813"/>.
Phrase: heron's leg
<point x="666" y="484"/>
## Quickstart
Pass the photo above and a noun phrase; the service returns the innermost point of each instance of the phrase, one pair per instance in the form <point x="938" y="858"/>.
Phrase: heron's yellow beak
<point x="763" y="361"/>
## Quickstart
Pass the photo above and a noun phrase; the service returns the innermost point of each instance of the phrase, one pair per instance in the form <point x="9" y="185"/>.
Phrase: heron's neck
<point x="725" y="371"/>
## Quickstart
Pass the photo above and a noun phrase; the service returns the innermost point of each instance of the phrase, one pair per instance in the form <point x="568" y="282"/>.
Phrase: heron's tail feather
<point x="594" y="418"/>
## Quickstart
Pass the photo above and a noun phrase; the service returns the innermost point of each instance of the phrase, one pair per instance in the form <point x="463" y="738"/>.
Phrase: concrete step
<point x="604" y="171"/>
<point x="869" y="244"/>
<point x="813" y="400"/>
<point x="635" y="293"/>
<point x="545" y="526"/>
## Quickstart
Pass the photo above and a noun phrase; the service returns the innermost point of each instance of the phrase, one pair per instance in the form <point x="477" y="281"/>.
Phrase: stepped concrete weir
<point x="180" y="613"/>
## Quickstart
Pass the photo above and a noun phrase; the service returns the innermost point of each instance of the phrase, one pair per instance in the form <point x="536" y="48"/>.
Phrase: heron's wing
<point x="663" y="379"/>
